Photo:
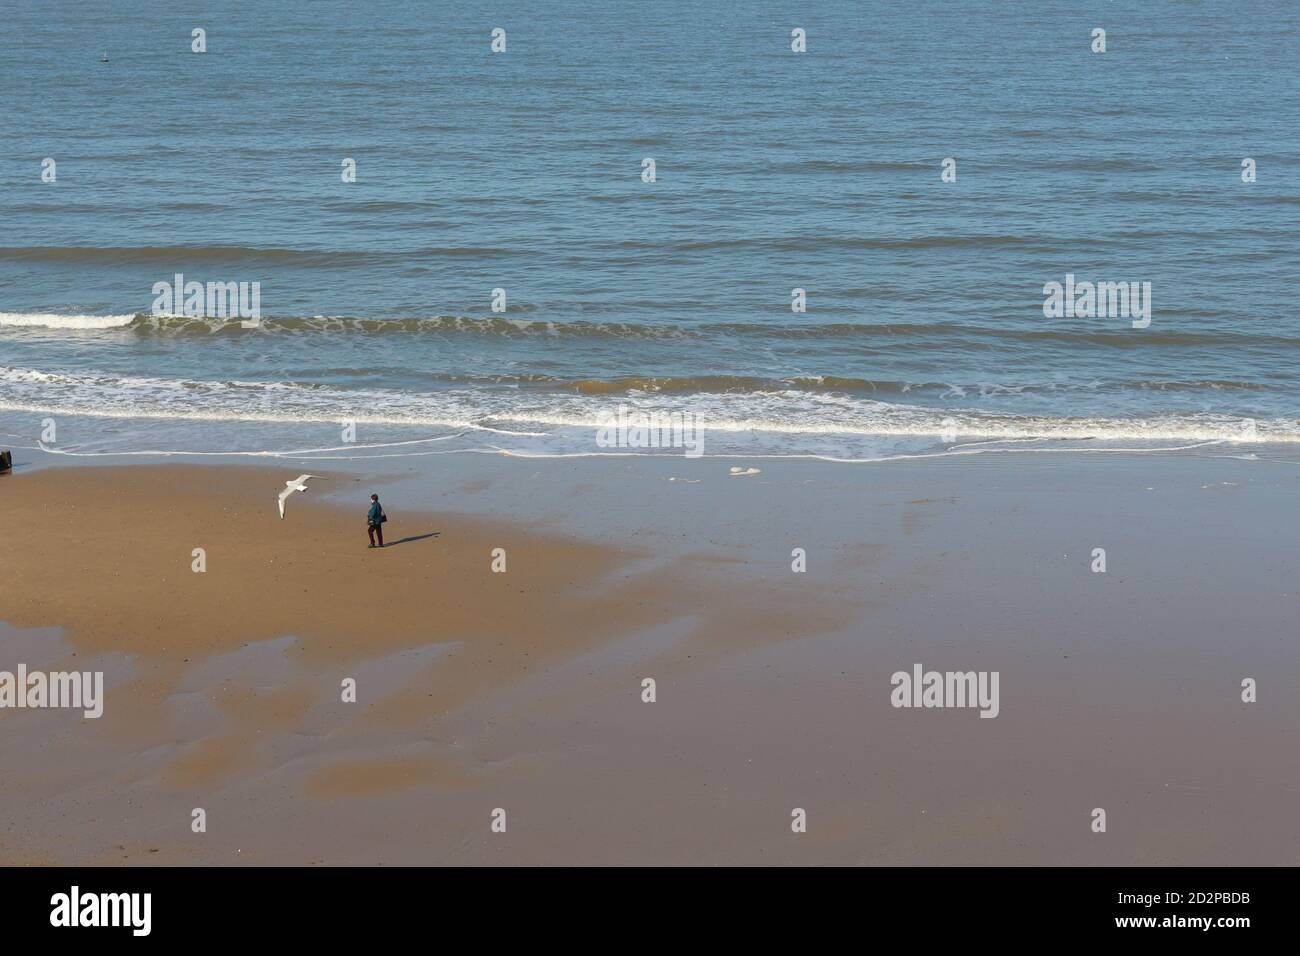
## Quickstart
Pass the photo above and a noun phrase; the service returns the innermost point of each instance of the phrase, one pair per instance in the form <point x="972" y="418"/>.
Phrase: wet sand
<point x="522" y="690"/>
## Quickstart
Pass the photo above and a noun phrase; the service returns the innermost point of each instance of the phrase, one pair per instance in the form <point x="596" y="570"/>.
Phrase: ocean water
<point x="924" y="325"/>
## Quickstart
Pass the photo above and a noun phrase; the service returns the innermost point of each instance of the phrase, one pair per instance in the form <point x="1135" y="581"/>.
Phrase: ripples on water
<point x="775" y="171"/>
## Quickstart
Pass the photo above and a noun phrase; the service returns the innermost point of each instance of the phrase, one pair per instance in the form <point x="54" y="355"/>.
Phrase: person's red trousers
<point x="375" y="529"/>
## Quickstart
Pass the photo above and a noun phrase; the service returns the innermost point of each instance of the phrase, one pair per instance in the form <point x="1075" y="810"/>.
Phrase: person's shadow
<point x="414" y="537"/>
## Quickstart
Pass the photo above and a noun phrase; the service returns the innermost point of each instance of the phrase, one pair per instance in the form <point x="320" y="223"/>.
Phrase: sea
<point x="823" y="229"/>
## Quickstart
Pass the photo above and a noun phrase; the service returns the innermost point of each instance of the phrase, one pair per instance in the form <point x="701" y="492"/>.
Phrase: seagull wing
<point x="297" y="484"/>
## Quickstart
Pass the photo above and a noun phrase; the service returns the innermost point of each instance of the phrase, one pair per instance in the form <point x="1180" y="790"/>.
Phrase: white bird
<point x="298" y="484"/>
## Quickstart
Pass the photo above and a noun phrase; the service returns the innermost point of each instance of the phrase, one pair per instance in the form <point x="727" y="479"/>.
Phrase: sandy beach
<point x="522" y="690"/>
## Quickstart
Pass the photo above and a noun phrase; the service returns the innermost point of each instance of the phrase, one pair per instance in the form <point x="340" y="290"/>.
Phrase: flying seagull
<point x="298" y="484"/>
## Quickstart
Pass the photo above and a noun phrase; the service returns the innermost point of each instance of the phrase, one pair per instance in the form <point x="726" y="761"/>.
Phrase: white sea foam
<point x="152" y="416"/>
<point x="792" y="414"/>
<point x="52" y="321"/>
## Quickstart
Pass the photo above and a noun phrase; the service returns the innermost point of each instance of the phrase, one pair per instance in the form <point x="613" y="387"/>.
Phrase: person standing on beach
<point x="375" y="519"/>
